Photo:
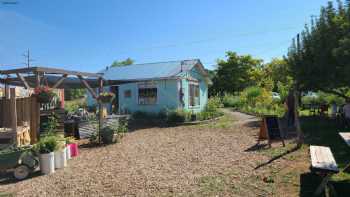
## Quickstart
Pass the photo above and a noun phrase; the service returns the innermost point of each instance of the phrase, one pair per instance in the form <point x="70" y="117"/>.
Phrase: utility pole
<point x="27" y="58"/>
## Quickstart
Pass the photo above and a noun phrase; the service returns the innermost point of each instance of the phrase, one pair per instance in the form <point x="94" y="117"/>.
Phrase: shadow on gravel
<point x="256" y="147"/>
<point x="7" y="178"/>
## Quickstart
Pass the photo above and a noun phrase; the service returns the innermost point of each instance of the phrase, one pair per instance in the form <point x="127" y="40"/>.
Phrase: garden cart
<point x="21" y="161"/>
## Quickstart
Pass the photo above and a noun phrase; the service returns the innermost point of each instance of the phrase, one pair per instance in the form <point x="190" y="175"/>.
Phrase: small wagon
<point x="21" y="161"/>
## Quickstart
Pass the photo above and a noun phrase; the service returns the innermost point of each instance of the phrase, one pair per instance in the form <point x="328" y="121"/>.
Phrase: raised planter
<point x="68" y="153"/>
<point x="74" y="149"/>
<point x="47" y="163"/>
<point x="60" y="158"/>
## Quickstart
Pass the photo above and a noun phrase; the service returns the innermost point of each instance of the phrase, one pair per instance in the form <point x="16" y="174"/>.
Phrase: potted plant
<point x="44" y="94"/>
<point x="60" y="155"/>
<point x="106" y="97"/>
<point x="107" y="135"/>
<point x="46" y="148"/>
<point x="72" y="146"/>
<point x="69" y="141"/>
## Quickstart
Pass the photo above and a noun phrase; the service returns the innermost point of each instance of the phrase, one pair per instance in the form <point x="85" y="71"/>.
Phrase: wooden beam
<point x="13" y="113"/>
<point x="49" y="71"/>
<point x="23" y="80"/>
<point x="87" y="86"/>
<point x="64" y="76"/>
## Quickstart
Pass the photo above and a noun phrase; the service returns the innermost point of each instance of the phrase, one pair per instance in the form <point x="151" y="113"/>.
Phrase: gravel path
<point x="153" y="162"/>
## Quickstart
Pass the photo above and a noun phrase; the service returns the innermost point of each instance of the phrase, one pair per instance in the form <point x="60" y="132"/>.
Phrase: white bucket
<point x="47" y="163"/>
<point x="60" y="158"/>
<point x="68" y="154"/>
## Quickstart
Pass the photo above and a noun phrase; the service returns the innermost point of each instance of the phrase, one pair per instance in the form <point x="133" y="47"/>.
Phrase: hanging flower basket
<point x="106" y="97"/>
<point x="44" y="94"/>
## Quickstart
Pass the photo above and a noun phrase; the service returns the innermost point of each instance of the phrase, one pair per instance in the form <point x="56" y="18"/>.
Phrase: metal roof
<point x="159" y="70"/>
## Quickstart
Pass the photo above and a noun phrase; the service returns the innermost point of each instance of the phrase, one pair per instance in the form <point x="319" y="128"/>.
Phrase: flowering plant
<point x="44" y="94"/>
<point x="106" y="97"/>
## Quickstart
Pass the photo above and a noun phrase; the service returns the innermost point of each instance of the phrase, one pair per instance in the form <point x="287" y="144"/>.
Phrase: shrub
<point x="230" y="100"/>
<point x="178" y="116"/>
<point x="137" y="115"/>
<point x="47" y="144"/>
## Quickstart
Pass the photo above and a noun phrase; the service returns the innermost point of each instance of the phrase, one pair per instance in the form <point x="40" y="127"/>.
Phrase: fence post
<point x="13" y="113"/>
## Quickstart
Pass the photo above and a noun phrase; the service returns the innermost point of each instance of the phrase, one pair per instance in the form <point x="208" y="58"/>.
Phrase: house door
<point x="115" y="102"/>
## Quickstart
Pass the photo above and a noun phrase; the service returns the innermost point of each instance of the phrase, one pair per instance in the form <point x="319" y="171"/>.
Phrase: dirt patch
<point x="200" y="160"/>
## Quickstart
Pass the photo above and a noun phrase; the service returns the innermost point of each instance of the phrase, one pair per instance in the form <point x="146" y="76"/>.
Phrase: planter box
<point x="60" y="159"/>
<point x="68" y="153"/>
<point x="74" y="149"/>
<point x="47" y="163"/>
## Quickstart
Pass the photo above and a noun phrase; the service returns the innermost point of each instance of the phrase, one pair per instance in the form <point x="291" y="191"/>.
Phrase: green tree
<point x="125" y="62"/>
<point x="234" y="73"/>
<point x="319" y="57"/>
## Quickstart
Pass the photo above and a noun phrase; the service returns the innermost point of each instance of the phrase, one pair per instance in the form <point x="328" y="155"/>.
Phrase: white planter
<point x="60" y="158"/>
<point x="47" y="163"/>
<point x="68" y="154"/>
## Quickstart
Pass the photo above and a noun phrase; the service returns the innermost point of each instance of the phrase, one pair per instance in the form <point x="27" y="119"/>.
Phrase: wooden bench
<point x="323" y="164"/>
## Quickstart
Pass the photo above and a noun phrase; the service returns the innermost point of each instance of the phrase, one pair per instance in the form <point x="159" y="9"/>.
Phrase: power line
<point x="209" y="40"/>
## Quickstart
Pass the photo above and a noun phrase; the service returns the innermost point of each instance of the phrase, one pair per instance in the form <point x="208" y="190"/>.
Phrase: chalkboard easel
<point x="270" y="129"/>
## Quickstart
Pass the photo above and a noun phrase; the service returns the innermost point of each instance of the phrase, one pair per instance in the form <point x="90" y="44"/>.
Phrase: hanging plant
<point x="106" y="97"/>
<point x="44" y="94"/>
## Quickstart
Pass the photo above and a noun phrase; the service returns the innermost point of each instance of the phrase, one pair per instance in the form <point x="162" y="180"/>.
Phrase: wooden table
<point x="346" y="138"/>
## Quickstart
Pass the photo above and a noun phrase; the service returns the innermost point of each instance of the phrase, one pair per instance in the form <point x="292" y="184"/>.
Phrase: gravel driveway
<point x="179" y="161"/>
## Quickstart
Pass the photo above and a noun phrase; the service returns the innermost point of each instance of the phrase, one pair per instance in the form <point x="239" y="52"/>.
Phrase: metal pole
<point x="100" y="111"/>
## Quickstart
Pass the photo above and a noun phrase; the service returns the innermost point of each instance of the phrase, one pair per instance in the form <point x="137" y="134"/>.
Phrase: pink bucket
<point x="73" y="149"/>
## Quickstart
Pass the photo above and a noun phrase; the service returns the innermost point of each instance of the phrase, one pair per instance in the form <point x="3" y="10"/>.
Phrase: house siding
<point x="167" y="97"/>
<point x="203" y="87"/>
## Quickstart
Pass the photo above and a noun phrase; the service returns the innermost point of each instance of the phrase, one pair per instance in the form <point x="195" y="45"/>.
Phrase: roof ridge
<point x="170" y="61"/>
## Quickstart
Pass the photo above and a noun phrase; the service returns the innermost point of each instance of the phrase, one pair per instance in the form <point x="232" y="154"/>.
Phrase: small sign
<point x="270" y="130"/>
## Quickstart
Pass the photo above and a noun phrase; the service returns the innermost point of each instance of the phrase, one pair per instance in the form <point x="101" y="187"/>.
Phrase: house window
<point x="147" y="95"/>
<point x="194" y="94"/>
<point x="127" y="94"/>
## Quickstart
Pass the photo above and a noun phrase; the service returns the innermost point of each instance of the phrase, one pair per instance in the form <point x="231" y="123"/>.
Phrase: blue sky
<point x="88" y="35"/>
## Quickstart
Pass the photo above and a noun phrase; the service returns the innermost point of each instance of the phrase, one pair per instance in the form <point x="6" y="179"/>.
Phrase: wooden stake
<point x="60" y="81"/>
<point x="23" y="81"/>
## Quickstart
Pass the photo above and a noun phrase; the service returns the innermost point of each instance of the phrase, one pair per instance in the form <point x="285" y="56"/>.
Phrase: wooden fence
<point x="28" y="110"/>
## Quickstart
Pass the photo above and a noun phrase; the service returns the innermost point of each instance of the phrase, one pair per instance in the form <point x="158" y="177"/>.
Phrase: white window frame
<point x="146" y="85"/>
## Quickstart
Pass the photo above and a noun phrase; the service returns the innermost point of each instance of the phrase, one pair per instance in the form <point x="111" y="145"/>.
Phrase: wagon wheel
<point x="21" y="172"/>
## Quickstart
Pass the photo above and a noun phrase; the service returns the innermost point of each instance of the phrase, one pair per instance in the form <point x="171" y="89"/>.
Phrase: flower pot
<point x="47" y="163"/>
<point x="68" y="153"/>
<point x="74" y="150"/>
<point x="44" y="98"/>
<point x="60" y="158"/>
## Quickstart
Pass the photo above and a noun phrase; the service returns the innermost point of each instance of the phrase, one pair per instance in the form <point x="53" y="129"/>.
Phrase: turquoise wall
<point x="203" y="86"/>
<point x="168" y="95"/>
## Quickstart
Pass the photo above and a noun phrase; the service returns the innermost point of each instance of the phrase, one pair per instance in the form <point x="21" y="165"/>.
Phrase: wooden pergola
<point x="34" y="77"/>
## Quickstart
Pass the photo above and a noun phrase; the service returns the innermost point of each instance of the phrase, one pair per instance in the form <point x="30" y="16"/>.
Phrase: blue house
<point x="155" y="87"/>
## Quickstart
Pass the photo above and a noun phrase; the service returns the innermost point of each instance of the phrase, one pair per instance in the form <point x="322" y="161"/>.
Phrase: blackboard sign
<point x="273" y="128"/>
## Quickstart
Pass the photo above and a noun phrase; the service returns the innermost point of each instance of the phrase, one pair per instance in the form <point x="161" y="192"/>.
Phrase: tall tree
<point x="233" y="74"/>
<point x="319" y="58"/>
<point x="125" y="62"/>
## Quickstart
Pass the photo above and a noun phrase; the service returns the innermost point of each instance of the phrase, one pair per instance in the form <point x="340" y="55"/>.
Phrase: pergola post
<point x="13" y="113"/>
<point x="100" y="110"/>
